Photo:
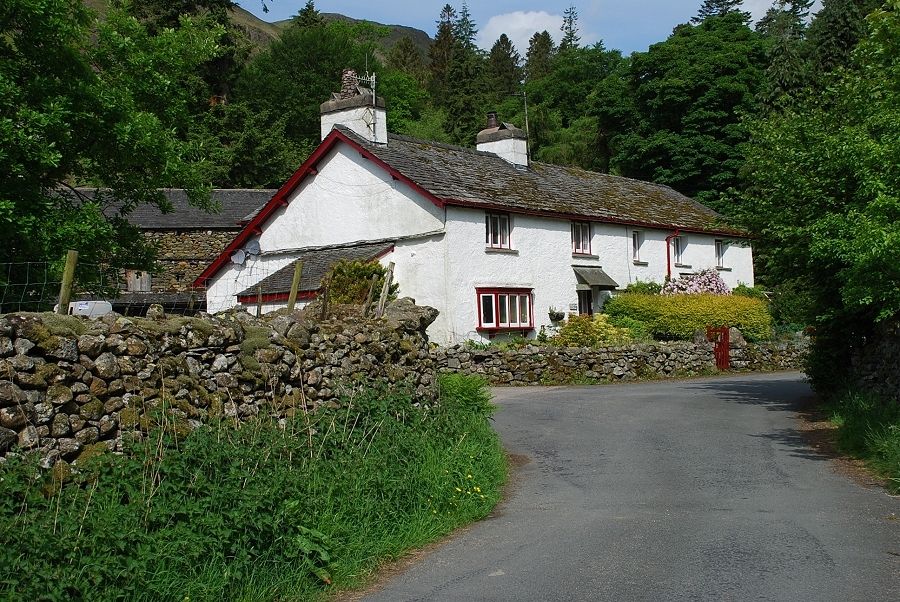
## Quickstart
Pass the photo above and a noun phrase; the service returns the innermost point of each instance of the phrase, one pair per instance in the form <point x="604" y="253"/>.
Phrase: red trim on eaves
<point x="584" y="218"/>
<point x="275" y="297"/>
<point x="281" y="198"/>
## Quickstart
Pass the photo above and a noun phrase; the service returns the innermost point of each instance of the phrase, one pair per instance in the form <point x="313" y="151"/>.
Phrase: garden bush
<point x="679" y="316"/>
<point x="705" y="281"/>
<point x="349" y="281"/>
<point x="589" y="331"/>
<point x="252" y="512"/>
<point x="644" y="288"/>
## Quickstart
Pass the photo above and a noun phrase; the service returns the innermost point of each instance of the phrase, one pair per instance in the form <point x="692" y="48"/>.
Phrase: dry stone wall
<point x="533" y="365"/>
<point x="70" y="386"/>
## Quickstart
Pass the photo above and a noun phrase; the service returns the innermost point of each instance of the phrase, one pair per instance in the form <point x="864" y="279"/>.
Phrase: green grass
<point x="869" y="428"/>
<point x="257" y="512"/>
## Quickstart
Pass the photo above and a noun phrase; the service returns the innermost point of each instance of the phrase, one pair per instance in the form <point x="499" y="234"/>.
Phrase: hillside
<point x="261" y="33"/>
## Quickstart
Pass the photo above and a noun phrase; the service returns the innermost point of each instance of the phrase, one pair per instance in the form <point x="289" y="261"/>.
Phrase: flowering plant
<point x="705" y="281"/>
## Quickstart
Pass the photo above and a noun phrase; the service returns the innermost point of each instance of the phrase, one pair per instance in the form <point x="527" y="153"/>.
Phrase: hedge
<point x="679" y="316"/>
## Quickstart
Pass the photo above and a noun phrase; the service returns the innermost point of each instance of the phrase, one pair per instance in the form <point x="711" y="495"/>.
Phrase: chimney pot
<point x="492" y="121"/>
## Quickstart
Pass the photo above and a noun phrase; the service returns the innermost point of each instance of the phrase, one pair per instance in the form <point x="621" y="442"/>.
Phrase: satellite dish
<point x="239" y="257"/>
<point x="252" y="247"/>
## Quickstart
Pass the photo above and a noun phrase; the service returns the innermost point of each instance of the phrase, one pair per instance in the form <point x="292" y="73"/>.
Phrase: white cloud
<point x="519" y="26"/>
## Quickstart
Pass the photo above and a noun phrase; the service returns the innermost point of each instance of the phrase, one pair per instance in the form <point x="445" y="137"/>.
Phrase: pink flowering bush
<point x="706" y="282"/>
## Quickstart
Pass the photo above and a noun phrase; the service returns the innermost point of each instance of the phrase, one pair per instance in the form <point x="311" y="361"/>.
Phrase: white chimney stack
<point x="356" y="108"/>
<point x="505" y="140"/>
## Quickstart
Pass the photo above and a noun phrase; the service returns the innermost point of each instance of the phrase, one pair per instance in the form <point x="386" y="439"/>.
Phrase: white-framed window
<point x="637" y="241"/>
<point x="504" y="308"/>
<point x="678" y="245"/>
<point x="581" y="238"/>
<point x="496" y="230"/>
<point x="720" y="253"/>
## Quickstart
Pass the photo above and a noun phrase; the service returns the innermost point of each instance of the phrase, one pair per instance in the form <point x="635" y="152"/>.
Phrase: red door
<point x="720" y="337"/>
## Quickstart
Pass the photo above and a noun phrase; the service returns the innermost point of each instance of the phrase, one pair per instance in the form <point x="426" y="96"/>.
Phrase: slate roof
<point x="469" y="177"/>
<point x="234" y="206"/>
<point x="316" y="264"/>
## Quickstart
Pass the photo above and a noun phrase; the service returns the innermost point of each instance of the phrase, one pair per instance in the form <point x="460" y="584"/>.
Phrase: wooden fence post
<point x="65" y="289"/>
<point x="295" y="284"/>
<point x="385" y="290"/>
<point x="371" y="296"/>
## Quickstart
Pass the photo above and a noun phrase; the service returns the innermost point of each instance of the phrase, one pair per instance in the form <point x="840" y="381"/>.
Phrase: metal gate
<point x="722" y="341"/>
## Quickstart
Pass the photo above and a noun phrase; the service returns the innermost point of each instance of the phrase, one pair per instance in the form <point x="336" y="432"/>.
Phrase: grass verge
<point x="869" y="428"/>
<point x="257" y="512"/>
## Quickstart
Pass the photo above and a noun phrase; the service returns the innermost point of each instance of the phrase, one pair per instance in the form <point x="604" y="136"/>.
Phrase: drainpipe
<point x="669" y="254"/>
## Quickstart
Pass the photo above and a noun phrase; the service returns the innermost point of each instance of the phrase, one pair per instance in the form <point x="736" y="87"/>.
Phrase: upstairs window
<point x="581" y="238"/>
<point x="637" y="241"/>
<point x="720" y="253"/>
<point x="504" y="309"/>
<point x="496" y="230"/>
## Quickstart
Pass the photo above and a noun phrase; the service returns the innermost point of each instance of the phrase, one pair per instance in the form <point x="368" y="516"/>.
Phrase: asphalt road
<point x="691" y="490"/>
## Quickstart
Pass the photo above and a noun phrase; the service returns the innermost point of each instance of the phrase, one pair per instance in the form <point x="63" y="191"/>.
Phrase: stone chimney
<point x="356" y="108"/>
<point x="505" y="140"/>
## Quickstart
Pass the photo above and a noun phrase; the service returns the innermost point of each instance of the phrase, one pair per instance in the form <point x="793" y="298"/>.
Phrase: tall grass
<point x="260" y="511"/>
<point x="869" y="428"/>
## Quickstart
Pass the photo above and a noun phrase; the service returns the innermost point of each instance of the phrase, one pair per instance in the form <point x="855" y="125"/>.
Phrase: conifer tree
<point x="504" y="68"/>
<point x="541" y="50"/>
<point x="440" y="54"/>
<point x="308" y="16"/>
<point x="835" y="31"/>
<point x="405" y="56"/>
<point x="464" y="29"/>
<point x="719" y="8"/>
<point x="569" y="28"/>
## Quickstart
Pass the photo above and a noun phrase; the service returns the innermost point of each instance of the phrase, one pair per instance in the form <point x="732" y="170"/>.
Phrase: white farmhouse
<point x="491" y="239"/>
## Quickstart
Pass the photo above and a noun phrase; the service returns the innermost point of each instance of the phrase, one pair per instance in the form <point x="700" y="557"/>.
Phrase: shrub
<point x="644" y="288"/>
<point x="253" y="512"/>
<point x="705" y="281"/>
<point x="587" y="331"/>
<point x="637" y="330"/>
<point x="349" y="281"/>
<point x="679" y="316"/>
<point x="755" y="292"/>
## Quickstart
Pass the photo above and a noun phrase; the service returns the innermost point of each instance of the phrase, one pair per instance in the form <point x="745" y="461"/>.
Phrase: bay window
<point x="504" y="309"/>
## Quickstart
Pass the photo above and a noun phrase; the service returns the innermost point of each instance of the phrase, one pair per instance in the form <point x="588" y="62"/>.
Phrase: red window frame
<point x="496" y="294"/>
<point x="578" y="238"/>
<point x="503" y="229"/>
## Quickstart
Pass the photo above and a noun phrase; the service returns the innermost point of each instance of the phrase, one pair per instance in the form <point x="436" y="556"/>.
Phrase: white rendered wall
<point x="349" y="200"/>
<point x="512" y="150"/>
<point x="543" y="261"/>
<point x="368" y="122"/>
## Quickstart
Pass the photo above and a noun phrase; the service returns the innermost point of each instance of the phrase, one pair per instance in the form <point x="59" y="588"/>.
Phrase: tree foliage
<point x="99" y="103"/>
<point x="821" y="189"/>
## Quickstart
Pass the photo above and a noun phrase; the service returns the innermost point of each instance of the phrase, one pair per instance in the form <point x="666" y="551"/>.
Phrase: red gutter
<point x="275" y="297"/>
<point x="669" y="254"/>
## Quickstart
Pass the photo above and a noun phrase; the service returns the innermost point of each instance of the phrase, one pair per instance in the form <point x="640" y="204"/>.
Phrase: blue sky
<point x="624" y="24"/>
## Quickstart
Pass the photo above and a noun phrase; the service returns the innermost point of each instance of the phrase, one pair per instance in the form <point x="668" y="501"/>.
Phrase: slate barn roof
<point x="234" y="206"/>
<point x="465" y="176"/>
<point x="316" y="264"/>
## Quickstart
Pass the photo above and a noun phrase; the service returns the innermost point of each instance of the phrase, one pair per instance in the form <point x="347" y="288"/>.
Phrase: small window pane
<point x="585" y="238"/>
<point x="487" y="229"/>
<point x="504" y="231"/>
<point x="503" y="308"/>
<point x="523" y="310"/>
<point x="495" y="230"/>
<point x="487" y="310"/>
<point x="513" y="310"/>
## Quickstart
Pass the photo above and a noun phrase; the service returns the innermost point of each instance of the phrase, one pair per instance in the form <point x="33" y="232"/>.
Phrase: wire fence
<point x="96" y="289"/>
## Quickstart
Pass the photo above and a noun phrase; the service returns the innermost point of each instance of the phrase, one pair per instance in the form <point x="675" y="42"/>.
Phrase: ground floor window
<point x="504" y="309"/>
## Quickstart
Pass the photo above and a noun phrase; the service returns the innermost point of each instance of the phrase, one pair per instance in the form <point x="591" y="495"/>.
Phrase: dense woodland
<point x="788" y="126"/>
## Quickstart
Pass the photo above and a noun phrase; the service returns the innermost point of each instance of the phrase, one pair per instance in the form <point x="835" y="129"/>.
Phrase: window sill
<point x="639" y="262"/>
<point x="684" y="265"/>
<point x="584" y="256"/>
<point x="493" y="331"/>
<point x="501" y="251"/>
<point x="722" y="268"/>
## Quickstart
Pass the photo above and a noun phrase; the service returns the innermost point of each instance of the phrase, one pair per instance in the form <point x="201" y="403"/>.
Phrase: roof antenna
<point x="370" y="80"/>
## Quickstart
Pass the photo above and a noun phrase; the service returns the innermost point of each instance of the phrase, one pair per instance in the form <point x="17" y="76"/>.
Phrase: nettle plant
<point x="704" y="282"/>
